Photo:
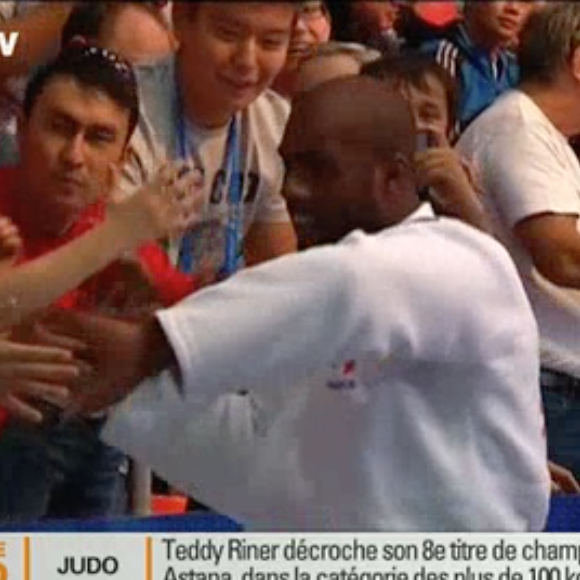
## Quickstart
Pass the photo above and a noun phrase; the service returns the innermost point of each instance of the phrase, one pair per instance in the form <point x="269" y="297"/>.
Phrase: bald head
<point x="356" y="109"/>
<point x="348" y="147"/>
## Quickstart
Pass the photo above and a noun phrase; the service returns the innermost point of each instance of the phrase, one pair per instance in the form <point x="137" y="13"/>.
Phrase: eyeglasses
<point x="79" y="49"/>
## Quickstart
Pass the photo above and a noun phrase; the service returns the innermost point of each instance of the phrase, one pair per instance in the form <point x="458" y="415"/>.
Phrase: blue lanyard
<point x="232" y="166"/>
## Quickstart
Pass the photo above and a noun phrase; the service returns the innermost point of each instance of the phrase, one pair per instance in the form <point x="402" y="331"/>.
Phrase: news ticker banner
<point x="290" y="557"/>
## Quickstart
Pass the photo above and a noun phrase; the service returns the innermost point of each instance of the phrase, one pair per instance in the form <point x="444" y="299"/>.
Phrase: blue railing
<point x="564" y="517"/>
<point x="564" y="514"/>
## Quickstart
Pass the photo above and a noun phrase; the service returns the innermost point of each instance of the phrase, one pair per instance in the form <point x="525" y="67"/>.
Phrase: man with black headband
<point x="79" y="113"/>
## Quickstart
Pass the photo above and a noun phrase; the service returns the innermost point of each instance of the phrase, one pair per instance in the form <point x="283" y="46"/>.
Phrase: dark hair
<point x="86" y="20"/>
<point x="93" y="67"/>
<point x="413" y="68"/>
<point x="341" y="17"/>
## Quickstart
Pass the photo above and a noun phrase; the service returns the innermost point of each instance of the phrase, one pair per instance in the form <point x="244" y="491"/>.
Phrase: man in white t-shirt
<point x="531" y="178"/>
<point x="374" y="385"/>
<point x="212" y="104"/>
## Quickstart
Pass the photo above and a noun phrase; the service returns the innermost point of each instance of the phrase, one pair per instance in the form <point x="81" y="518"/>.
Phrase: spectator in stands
<point x="445" y="178"/>
<point x="312" y="28"/>
<point x="389" y="349"/>
<point x="157" y="210"/>
<point x="474" y="52"/>
<point x="531" y="179"/>
<point x="216" y="68"/>
<point x="429" y="88"/>
<point x="79" y="113"/>
<point x="212" y="105"/>
<point x="151" y="41"/>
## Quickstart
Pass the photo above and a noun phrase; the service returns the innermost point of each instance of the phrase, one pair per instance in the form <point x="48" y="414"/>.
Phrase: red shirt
<point x="438" y="13"/>
<point x="170" y="284"/>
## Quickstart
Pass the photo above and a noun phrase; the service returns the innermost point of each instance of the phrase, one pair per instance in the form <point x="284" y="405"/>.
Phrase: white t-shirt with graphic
<point x="160" y="135"/>
<point x="527" y="168"/>
<point x="379" y="397"/>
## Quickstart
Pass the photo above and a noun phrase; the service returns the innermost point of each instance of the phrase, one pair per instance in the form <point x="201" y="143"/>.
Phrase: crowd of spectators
<point x="149" y="150"/>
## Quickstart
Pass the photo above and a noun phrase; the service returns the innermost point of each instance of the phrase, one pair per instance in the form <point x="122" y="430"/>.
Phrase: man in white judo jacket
<point x="390" y="370"/>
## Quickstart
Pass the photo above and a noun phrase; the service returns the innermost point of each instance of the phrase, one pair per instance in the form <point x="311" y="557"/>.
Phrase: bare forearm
<point x="469" y="211"/>
<point x="553" y="243"/>
<point x="37" y="284"/>
<point x="562" y="270"/>
<point x="158" y="209"/>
